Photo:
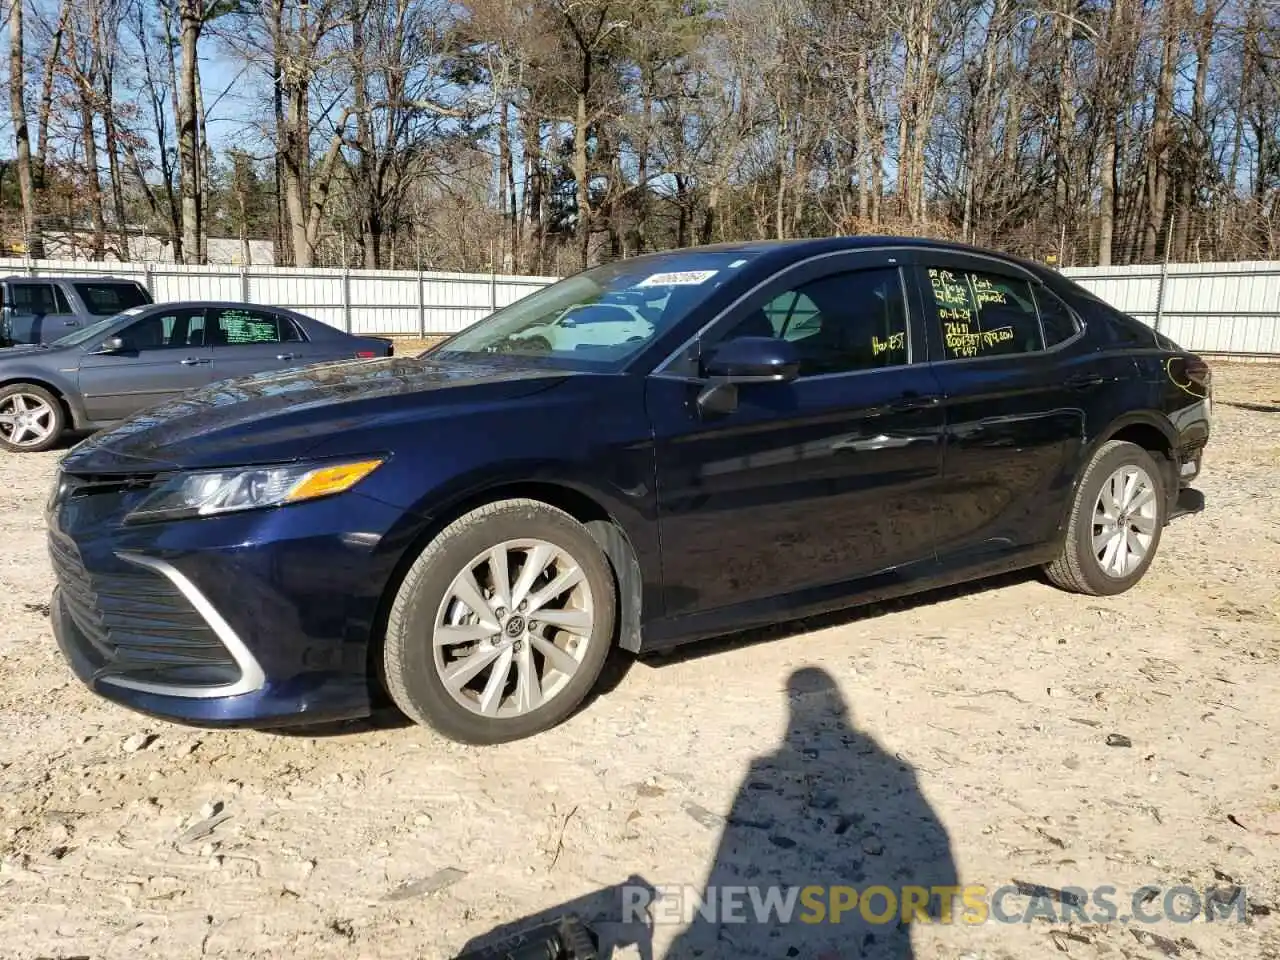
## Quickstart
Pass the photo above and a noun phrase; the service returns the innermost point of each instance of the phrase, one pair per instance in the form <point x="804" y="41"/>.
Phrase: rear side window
<point x="1056" y="319"/>
<point x="107" y="299"/>
<point x="982" y="314"/>
<point x="239" y="327"/>
<point x="1113" y="327"/>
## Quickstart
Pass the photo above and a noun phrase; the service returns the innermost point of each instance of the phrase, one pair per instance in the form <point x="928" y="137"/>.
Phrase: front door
<point x="164" y="356"/>
<point x="820" y="482"/>
<point x="38" y="312"/>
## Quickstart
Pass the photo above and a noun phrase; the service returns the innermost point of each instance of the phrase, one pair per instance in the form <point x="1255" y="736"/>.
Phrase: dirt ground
<point x="974" y="745"/>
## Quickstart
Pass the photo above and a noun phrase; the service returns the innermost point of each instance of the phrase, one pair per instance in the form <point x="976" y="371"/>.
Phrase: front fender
<point x="61" y="382"/>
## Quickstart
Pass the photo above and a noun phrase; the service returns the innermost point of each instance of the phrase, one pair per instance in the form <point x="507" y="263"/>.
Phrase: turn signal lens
<point x="329" y="480"/>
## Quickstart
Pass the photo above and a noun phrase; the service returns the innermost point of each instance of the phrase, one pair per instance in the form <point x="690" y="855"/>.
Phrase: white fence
<point x="1214" y="308"/>
<point x="360" y="301"/>
<point x="1220" y="308"/>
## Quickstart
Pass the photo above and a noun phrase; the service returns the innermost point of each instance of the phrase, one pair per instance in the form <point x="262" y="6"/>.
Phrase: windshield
<point x="98" y="330"/>
<point x="606" y="315"/>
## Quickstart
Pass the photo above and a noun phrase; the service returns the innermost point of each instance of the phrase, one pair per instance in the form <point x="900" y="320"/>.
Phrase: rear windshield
<point x="108" y="299"/>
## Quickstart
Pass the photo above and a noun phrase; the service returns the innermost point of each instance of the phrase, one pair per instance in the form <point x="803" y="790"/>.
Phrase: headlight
<point x="248" y="488"/>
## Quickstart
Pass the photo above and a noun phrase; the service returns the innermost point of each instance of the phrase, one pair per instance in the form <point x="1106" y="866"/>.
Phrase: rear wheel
<point x="1116" y="523"/>
<point x="502" y="625"/>
<point x="31" y="418"/>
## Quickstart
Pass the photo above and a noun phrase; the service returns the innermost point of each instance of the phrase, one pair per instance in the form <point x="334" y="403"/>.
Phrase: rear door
<point x="249" y="340"/>
<point x="1014" y="402"/>
<point x="164" y="356"/>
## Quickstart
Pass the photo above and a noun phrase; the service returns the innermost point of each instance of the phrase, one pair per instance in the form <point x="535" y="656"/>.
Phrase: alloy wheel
<point x="1124" y="521"/>
<point x="513" y="628"/>
<point x="26" y="420"/>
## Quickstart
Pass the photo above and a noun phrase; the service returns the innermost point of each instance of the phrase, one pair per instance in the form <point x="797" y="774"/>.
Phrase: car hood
<point x="29" y="350"/>
<point x="280" y="416"/>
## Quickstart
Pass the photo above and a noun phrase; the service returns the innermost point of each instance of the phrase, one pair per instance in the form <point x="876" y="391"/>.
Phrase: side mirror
<point x="752" y="360"/>
<point x="112" y="345"/>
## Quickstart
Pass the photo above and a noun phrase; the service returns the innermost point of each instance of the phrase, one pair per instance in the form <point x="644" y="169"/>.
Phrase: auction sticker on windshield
<point x="685" y="278"/>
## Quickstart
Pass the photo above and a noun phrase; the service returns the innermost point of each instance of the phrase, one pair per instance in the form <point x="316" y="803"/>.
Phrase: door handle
<point x="881" y="442"/>
<point x="913" y="402"/>
<point x="192" y="361"/>
<point x="284" y="356"/>
<point x="1084" y="381"/>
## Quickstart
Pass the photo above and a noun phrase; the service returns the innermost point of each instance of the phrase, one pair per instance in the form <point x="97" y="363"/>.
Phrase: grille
<point x="139" y="624"/>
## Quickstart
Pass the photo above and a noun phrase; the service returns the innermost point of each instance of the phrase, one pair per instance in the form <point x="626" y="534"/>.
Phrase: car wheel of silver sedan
<point x="31" y="418"/>
<point x="502" y="625"/>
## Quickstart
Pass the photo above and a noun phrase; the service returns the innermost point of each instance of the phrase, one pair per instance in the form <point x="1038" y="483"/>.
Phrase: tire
<point x="1081" y="569"/>
<point x="426" y="604"/>
<point x="53" y="418"/>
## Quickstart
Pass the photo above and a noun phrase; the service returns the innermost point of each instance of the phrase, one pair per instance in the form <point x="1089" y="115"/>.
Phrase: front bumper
<point x="255" y="619"/>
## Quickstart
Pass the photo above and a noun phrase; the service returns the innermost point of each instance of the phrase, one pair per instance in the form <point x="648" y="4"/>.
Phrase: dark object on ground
<point x="566" y="939"/>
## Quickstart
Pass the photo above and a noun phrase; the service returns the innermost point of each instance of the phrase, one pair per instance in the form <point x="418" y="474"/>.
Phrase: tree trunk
<point x="580" y="174"/>
<point x="46" y="98"/>
<point x="295" y="157"/>
<point x="862" y="137"/>
<point x="1198" y="155"/>
<point x="366" y="193"/>
<point x="534" y="204"/>
<point x="205" y="167"/>
<point x="905" y="111"/>
<point x="22" y="136"/>
<point x="1107" y="184"/>
<point x="1158" y="156"/>
<point x="115" y="171"/>
<point x="190" y="20"/>
<point x="642" y="168"/>
<point x="92" y="180"/>
<point x="1066" y="125"/>
<point x="506" y="188"/>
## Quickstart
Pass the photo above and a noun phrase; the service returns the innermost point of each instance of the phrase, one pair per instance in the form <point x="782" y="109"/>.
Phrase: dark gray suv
<point x="45" y="309"/>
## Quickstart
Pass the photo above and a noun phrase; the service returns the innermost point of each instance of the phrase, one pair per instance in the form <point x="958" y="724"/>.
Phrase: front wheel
<point x="31" y="418"/>
<point x="1116" y="522"/>
<point x="502" y="625"/>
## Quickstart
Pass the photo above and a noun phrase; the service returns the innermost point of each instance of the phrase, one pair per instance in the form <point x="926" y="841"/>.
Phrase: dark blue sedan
<point x="777" y="429"/>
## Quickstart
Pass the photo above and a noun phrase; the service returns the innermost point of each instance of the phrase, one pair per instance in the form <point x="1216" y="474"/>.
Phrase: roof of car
<point x="800" y="248"/>
<point x="217" y="304"/>
<point x="75" y="278"/>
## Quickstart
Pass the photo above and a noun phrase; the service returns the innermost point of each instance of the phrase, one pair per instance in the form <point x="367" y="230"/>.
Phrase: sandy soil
<point x="963" y="735"/>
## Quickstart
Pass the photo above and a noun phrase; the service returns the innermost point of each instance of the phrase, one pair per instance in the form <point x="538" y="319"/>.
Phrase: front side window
<point x="166" y="330"/>
<point x="982" y="314"/>
<point x="605" y="316"/>
<point x="107" y="299"/>
<point x="842" y="323"/>
<point x="34" y="298"/>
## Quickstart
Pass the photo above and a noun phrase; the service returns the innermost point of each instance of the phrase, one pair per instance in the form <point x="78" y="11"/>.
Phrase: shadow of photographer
<point x="827" y="836"/>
